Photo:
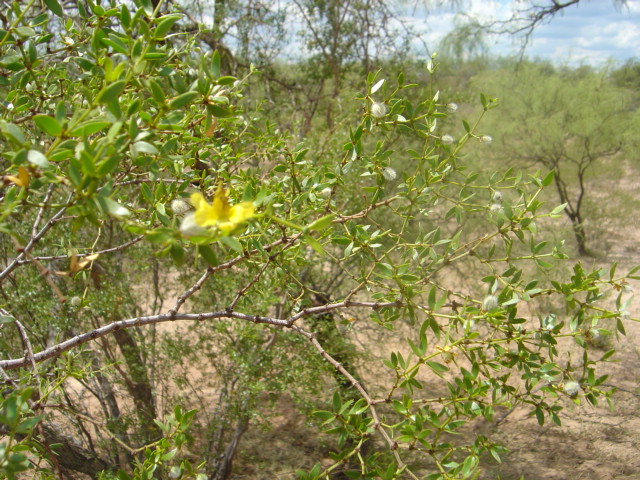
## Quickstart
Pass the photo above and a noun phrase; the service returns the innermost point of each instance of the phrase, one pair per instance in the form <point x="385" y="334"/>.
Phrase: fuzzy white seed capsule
<point x="446" y="139"/>
<point x="452" y="107"/>
<point x="486" y="139"/>
<point x="389" y="174"/>
<point x="378" y="109"/>
<point x="571" y="388"/>
<point x="496" y="208"/>
<point x="75" y="301"/>
<point x="496" y="197"/>
<point x="326" y="192"/>
<point x="490" y="302"/>
<point x="179" y="206"/>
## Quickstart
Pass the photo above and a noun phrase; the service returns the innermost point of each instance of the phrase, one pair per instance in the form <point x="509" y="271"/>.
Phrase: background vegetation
<point x="410" y="264"/>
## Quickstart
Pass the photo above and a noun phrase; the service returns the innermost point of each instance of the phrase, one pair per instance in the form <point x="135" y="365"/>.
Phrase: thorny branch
<point x="172" y="315"/>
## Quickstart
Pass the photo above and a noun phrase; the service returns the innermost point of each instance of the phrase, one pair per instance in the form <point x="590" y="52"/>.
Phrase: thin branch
<point x="34" y="239"/>
<point x="378" y="426"/>
<point x="81" y="255"/>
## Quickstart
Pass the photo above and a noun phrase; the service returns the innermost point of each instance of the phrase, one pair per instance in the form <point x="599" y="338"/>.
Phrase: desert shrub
<point x="174" y="265"/>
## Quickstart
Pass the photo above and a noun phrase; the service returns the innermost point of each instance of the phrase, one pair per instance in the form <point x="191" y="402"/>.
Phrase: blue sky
<point x="592" y="32"/>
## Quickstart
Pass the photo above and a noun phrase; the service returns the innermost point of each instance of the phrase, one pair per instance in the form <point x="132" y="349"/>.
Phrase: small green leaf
<point x="156" y="91"/>
<point x="232" y="243"/>
<point x="165" y="24"/>
<point x="89" y="128"/>
<point x="321" y="223"/>
<point x="548" y="179"/>
<point x="182" y="100"/>
<point x="54" y="6"/>
<point x="111" y="92"/>
<point x="143" y="147"/>
<point x="540" y="416"/>
<point x="215" y="64"/>
<point x="207" y="253"/>
<point x="48" y="125"/>
<point x="113" y="208"/>
<point x="313" y="243"/>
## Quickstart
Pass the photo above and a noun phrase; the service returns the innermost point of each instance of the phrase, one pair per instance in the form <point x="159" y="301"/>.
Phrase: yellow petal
<point x="221" y="203"/>
<point x="205" y="215"/>
<point x="23" y="175"/>
<point x="22" y="180"/>
<point x="241" y="212"/>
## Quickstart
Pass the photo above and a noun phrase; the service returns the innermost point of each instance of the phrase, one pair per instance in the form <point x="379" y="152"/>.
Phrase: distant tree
<point x="526" y="16"/>
<point x="563" y="120"/>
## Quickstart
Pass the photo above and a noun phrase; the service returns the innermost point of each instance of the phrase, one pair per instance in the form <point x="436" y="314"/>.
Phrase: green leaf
<point x="88" y="128"/>
<point x="54" y="6"/>
<point x="182" y="100"/>
<point x="113" y="208"/>
<point x="233" y="243"/>
<point x="548" y="179"/>
<point x="116" y="45"/>
<point x="437" y="368"/>
<point x="156" y="91"/>
<point x="226" y="80"/>
<point x="321" y="223"/>
<point x="208" y="254"/>
<point x="165" y="24"/>
<point x="48" y="125"/>
<point x="313" y="243"/>
<point x="111" y="92"/>
<point x="12" y="132"/>
<point x="556" y="211"/>
<point x="215" y="64"/>
<point x="142" y="147"/>
<point x="540" y="416"/>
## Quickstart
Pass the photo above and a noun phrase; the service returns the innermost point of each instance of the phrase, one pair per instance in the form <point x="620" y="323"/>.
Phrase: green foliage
<point x="375" y="277"/>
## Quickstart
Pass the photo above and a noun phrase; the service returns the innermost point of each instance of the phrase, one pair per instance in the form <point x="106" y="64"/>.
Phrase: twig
<point x="34" y="239"/>
<point x="225" y="266"/>
<point x="81" y="255"/>
<point x="45" y="272"/>
<point x="27" y="343"/>
<point x="377" y="425"/>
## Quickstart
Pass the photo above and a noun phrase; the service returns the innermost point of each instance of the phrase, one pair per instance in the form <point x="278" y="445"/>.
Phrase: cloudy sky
<point x="592" y="32"/>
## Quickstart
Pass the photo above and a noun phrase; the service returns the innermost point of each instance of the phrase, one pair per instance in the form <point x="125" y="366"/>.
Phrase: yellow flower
<point x="224" y="217"/>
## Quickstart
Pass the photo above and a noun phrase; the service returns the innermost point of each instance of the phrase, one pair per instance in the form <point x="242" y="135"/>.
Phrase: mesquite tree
<point x="172" y="265"/>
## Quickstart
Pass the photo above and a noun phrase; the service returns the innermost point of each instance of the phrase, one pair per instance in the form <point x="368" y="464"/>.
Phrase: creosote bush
<point x="172" y="265"/>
